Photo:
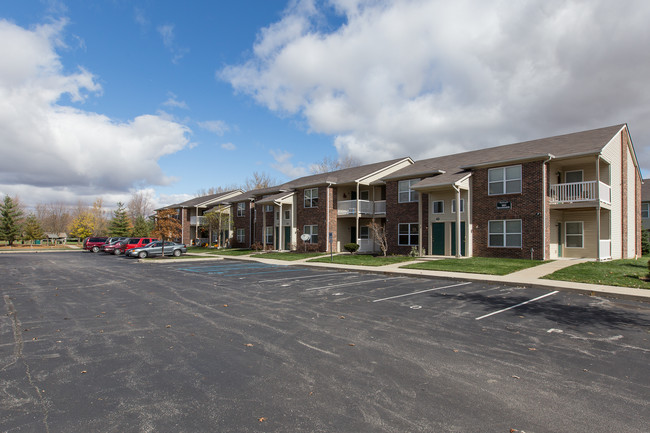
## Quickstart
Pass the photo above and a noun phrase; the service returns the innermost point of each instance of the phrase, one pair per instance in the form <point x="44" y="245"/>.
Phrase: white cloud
<point x="166" y="32"/>
<point x="173" y="102"/>
<point x="218" y="127"/>
<point x="284" y="165"/>
<point x="430" y="77"/>
<point x="51" y="151"/>
<point x="228" y="146"/>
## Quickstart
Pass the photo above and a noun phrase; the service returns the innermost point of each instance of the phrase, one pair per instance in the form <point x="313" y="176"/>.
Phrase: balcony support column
<point x="357" y="215"/>
<point x="598" y="207"/>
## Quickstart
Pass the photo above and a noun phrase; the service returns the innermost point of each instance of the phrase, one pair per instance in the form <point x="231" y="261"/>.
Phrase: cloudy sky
<point x="103" y="98"/>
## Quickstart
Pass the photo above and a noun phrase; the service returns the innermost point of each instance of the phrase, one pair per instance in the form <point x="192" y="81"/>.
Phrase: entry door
<point x="462" y="238"/>
<point x="353" y="234"/>
<point x="277" y="238"/>
<point x="559" y="240"/>
<point x="287" y="238"/>
<point x="438" y="239"/>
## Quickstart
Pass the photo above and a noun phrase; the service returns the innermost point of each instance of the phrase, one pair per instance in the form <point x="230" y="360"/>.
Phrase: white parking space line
<point x="518" y="305"/>
<point x="294" y="278"/>
<point x="352" y="283"/>
<point x="421" y="291"/>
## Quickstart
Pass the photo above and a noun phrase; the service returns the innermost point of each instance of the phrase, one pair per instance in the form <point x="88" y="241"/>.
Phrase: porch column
<point x="597" y="207"/>
<point x="280" y="227"/>
<point x="420" y="224"/>
<point x="458" y="240"/>
<point x="357" y="215"/>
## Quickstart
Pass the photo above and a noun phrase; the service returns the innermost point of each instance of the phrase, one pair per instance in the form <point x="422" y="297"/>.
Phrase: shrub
<point x="351" y="247"/>
<point x="414" y="252"/>
<point x="645" y="242"/>
<point x="257" y="246"/>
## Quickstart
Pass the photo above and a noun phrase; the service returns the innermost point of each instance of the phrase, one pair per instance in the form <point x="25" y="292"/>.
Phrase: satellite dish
<point x="305" y="237"/>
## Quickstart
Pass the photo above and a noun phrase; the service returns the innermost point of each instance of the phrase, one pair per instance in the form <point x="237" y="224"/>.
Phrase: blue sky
<point x="104" y="98"/>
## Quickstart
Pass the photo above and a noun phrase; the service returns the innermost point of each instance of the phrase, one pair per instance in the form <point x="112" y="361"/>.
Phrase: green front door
<point x="353" y="234"/>
<point x="277" y="238"/>
<point x="462" y="238"/>
<point x="438" y="239"/>
<point x="287" y="238"/>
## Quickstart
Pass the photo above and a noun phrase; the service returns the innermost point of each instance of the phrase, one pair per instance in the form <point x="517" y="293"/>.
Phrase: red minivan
<point x="135" y="243"/>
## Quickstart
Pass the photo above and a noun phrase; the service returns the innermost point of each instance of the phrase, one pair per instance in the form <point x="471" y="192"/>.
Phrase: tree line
<point x="132" y="219"/>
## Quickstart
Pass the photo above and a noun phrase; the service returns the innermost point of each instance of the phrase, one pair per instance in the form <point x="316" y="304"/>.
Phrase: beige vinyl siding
<point x="589" y="242"/>
<point x="612" y="154"/>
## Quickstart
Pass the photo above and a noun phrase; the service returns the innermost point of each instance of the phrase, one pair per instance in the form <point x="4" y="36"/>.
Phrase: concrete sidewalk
<point x="526" y="277"/>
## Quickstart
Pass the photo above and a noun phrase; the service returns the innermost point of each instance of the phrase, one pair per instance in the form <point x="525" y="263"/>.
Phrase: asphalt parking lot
<point x="98" y="343"/>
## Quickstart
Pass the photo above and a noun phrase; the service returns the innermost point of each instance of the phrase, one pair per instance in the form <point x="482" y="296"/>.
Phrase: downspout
<point x="327" y="216"/>
<point x="458" y="240"/>
<point x="281" y="241"/>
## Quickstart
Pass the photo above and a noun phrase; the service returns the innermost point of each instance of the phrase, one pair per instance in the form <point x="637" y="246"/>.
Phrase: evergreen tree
<point x="142" y="227"/>
<point x="32" y="229"/>
<point x="119" y="225"/>
<point x="10" y="220"/>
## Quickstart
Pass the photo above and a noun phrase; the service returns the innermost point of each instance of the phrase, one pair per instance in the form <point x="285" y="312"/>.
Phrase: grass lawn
<point x="476" y="265"/>
<point x="221" y="252"/>
<point x="625" y="273"/>
<point x="363" y="260"/>
<point x="286" y="256"/>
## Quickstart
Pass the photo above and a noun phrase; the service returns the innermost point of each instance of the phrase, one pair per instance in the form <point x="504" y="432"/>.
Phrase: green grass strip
<point x="363" y="260"/>
<point x="289" y="256"/>
<point x="476" y="265"/>
<point x="622" y="273"/>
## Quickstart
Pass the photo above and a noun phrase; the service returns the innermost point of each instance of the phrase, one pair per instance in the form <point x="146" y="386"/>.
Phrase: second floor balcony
<point x="366" y="208"/>
<point x="194" y="220"/>
<point x="576" y="192"/>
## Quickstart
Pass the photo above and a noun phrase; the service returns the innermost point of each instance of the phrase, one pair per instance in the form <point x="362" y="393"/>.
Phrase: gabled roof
<point x="276" y="197"/>
<point x="250" y="195"/>
<point x="204" y="200"/>
<point x="561" y="146"/>
<point x="346" y="175"/>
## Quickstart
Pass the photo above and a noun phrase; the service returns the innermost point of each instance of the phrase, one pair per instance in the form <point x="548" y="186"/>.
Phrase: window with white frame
<point x="504" y="180"/>
<point x="574" y="234"/>
<point x="504" y="233"/>
<point x="645" y="210"/>
<point x="364" y="232"/>
<point x="241" y="236"/>
<point x="462" y="205"/>
<point x="268" y="208"/>
<point x="269" y="235"/>
<point x="408" y="234"/>
<point x="287" y="214"/>
<point x="313" y="232"/>
<point x="241" y="209"/>
<point x="438" y="207"/>
<point x="311" y="197"/>
<point x="405" y="193"/>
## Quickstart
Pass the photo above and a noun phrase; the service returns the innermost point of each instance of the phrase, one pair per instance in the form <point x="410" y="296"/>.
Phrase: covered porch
<point x="580" y="233"/>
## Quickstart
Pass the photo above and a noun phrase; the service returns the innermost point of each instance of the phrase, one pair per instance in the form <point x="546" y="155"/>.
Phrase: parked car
<point x="114" y="246"/>
<point x="135" y="243"/>
<point x="94" y="243"/>
<point x="156" y="249"/>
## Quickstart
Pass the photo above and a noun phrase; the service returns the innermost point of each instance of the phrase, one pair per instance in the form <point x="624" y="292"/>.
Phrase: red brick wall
<point x="624" y="197"/>
<point x="318" y="215"/>
<point x="243" y="222"/>
<point x="185" y="224"/>
<point x="527" y="206"/>
<point x="401" y="213"/>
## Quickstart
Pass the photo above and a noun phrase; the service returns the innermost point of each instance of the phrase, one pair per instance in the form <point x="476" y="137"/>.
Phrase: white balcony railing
<point x="380" y="207"/>
<point x="605" y="249"/>
<point x="194" y="220"/>
<point x="349" y="207"/>
<point x="581" y="191"/>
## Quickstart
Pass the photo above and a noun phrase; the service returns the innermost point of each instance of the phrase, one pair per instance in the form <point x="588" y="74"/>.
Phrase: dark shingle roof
<point x="199" y="201"/>
<point x="577" y="143"/>
<point x="346" y="175"/>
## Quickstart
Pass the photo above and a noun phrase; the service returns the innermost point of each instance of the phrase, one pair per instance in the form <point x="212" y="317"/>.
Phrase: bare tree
<point x="139" y="205"/>
<point x="54" y="217"/>
<point x="328" y="164"/>
<point x="259" y="180"/>
<point x="379" y="235"/>
<point x="99" y="215"/>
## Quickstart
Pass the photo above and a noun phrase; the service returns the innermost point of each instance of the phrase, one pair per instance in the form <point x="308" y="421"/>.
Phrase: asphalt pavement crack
<point x="18" y="355"/>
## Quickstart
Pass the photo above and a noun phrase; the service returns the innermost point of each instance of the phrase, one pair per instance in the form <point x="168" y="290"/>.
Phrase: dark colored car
<point x="113" y="247"/>
<point x="94" y="243"/>
<point x="156" y="249"/>
<point x="135" y="243"/>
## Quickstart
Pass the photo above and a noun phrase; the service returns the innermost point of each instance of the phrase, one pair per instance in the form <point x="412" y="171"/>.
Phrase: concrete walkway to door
<point x="546" y="268"/>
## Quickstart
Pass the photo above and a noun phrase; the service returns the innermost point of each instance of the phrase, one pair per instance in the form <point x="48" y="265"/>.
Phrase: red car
<point x="135" y="243"/>
<point x="114" y="247"/>
<point x="94" y="243"/>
